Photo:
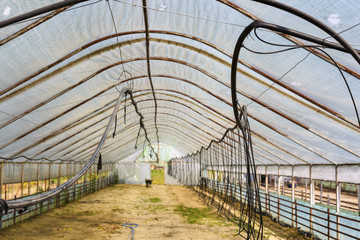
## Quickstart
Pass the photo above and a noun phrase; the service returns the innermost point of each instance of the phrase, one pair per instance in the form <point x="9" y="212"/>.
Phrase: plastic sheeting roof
<point x="59" y="72"/>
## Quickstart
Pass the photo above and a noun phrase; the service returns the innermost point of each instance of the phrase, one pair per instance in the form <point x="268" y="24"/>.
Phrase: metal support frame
<point x="21" y="203"/>
<point x="312" y="189"/>
<point x="338" y="192"/>
<point x="39" y="11"/>
<point x="292" y="184"/>
<point x="278" y="182"/>
<point x="266" y="181"/>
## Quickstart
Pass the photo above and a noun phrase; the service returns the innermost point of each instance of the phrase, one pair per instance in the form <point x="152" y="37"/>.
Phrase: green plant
<point x="193" y="215"/>
<point x="153" y="200"/>
<point x="158" y="176"/>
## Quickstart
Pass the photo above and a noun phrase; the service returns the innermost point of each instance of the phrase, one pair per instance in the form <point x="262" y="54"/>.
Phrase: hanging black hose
<point x="99" y="165"/>
<point x="113" y="135"/>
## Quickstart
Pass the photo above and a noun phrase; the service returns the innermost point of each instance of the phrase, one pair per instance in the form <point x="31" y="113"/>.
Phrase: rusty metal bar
<point x="39" y="11"/>
<point x="204" y="42"/>
<point x="32" y="25"/>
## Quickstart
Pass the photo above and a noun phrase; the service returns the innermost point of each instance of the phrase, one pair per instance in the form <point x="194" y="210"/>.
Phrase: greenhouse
<point x="179" y="119"/>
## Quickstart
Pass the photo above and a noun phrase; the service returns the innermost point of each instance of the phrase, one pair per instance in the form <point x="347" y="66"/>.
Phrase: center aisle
<point x="161" y="212"/>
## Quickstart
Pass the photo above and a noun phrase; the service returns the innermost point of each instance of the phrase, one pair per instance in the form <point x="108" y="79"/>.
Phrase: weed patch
<point x="153" y="200"/>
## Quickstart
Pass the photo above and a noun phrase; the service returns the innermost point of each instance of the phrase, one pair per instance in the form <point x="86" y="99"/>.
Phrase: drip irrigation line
<point x="132" y="226"/>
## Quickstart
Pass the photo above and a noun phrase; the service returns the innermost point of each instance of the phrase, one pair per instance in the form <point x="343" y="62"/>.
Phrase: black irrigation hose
<point x="141" y="122"/>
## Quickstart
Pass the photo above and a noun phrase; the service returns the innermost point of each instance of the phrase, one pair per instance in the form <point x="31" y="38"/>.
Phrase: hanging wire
<point x="124" y="71"/>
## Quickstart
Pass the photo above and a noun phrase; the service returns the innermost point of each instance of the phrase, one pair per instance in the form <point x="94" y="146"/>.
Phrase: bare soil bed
<point x="161" y="212"/>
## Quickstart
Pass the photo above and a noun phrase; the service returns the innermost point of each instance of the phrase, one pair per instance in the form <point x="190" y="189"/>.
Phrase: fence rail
<point x="318" y="222"/>
<point x="89" y="183"/>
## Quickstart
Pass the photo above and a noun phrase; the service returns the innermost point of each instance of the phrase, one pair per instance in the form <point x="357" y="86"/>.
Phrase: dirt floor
<point x="157" y="211"/>
<point x="161" y="212"/>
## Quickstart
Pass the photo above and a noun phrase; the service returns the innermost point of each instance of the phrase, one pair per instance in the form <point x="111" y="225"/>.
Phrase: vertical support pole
<point x="49" y="177"/>
<point x="85" y="183"/>
<point x="296" y="214"/>
<point x="306" y="188"/>
<point x="292" y="195"/>
<point x="37" y="186"/>
<point x="312" y="189"/>
<point x="279" y="183"/>
<point x="293" y="184"/>
<point x="310" y="221"/>
<point x="328" y="226"/>
<point x="1" y="183"/>
<point x="338" y="192"/>
<point x="266" y="181"/>
<point x="37" y="177"/>
<point x="29" y="182"/>
<point x="321" y="191"/>
<point x="337" y="227"/>
<point x="275" y="179"/>
<point x="58" y="184"/>
<point x="75" y="183"/>
<point x="358" y="191"/>
<point x="22" y="180"/>
<point x="59" y="175"/>
<point x="49" y="201"/>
